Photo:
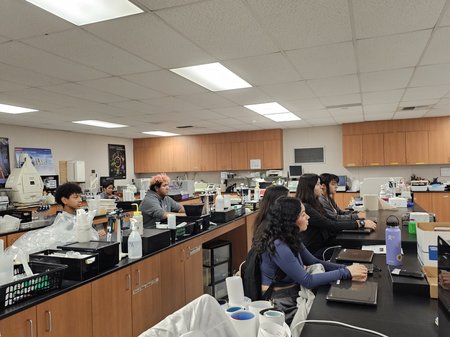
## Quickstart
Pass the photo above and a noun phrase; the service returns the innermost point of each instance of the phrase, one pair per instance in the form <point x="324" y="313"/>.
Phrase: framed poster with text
<point x="5" y="168"/>
<point x="117" y="161"/>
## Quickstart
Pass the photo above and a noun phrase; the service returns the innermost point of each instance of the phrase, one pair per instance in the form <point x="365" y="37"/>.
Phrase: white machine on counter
<point x="25" y="183"/>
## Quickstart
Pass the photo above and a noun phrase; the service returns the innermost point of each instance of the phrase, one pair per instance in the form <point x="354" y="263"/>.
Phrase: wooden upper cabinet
<point x="239" y="156"/>
<point x="223" y="156"/>
<point x="273" y="154"/>
<point x="180" y="154"/>
<point x="417" y="147"/>
<point x="255" y="150"/>
<point x="352" y="150"/>
<point x="394" y="148"/>
<point x="209" y="156"/>
<point x="372" y="149"/>
<point x="194" y="153"/>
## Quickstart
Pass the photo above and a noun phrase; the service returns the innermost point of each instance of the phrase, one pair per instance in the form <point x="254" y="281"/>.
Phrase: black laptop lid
<point x="353" y="292"/>
<point x="364" y="231"/>
<point x="354" y="255"/>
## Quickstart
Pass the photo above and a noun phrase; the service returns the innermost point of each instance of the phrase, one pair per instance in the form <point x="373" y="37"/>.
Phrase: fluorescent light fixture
<point x="83" y="12"/>
<point x="12" y="109"/>
<point x="267" y="108"/>
<point x="212" y="76"/>
<point x="100" y="124"/>
<point x="283" y="117"/>
<point x="161" y="133"/>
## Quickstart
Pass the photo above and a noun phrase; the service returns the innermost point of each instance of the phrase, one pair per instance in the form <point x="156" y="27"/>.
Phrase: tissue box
<point x="398" y="202"/>
<point x="419" y="217"/>
<point x="427" y="241"/>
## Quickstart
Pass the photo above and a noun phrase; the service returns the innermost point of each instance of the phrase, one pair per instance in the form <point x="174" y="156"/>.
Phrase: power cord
<point x="319" y="321"/>
<point x="326" y="250"/>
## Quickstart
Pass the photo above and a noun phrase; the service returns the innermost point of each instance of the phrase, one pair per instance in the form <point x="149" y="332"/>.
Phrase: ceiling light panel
<point x="212" y="76"/>
<point x="161" y="133"/>
<point x="283" y="117"/>
<point x="267" y="108"/>
<point x="100" y="124"/>
<point x="11" y="109"/>
<point x="83" y="12"/>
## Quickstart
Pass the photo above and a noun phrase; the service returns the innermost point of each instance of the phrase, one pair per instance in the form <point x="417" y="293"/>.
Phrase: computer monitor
<point x="50" y="182"/>
<point x="342" y="183"/>
<point x="295" y="171"/>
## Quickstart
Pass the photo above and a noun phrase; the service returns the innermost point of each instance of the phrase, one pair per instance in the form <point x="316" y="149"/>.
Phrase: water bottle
<point x="134" y="242"/>
<point x="393" y="243"/>
<point x="220" y="202"/>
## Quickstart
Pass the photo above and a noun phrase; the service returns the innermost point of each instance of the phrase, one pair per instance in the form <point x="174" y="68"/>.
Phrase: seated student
<point x="157" y="204"/>
<point x="322" y="230"/>
<point x="280" y="246"/>
<point x="271" y="194"/>
<point x="108" y="191"/>
<point x="329" y="186"/>
<point x="68" y="195"/>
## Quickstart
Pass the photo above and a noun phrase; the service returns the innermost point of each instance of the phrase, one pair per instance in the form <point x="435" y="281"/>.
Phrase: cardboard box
<point x="427" y="241"/>
<point x="431" y="274"/>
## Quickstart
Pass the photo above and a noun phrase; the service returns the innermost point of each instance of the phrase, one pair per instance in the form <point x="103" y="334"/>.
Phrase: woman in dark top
<point x="329" y="183"/>
<point x="280" y="246"/>
<point x="322" y="230"/>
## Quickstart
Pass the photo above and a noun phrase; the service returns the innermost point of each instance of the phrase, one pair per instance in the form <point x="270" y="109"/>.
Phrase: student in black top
<point x="322" y="231"/>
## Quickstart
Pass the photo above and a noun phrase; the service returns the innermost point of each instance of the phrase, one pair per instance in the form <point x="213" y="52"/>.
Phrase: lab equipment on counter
<point x="219" y="202"/>
<point x="134" y="242"/>
<point x="25" y="183"/>
<point x="137" y="216"/>
<point x="115" y="224"/>
<point x="108" y="252"/>
<point x="152" y="240"/>
<point x="419" y="185"/>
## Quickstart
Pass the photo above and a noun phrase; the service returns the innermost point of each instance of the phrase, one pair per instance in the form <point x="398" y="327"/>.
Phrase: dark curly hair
<point x="305" y="191"/>
<point x="65" y="191"/>
<point x="282" y="225"/>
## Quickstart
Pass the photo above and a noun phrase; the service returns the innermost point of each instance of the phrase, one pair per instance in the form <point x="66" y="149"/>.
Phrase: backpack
<point x="251" y="277"/>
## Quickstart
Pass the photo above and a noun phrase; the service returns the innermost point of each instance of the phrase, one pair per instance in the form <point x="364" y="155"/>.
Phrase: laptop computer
<point x="354" y="255"/>
<point x="363" y="231"/>
<point x="353" y="292"/>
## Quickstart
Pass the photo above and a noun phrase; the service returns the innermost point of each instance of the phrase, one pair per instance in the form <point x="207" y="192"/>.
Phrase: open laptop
<point x="353" y="292"/>
<point x="364" y="231"/>
<point x="354" y="255"/>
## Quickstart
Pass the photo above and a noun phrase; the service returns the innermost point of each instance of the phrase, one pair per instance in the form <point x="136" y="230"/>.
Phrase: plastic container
<point x="257" y="192"/>
<point x="393" y="246"/>
<point x="6" y="266"/>
<point x="83" y="228"/>
<point x="134" y="243"/>
<point x="137" y="215"/>
<point x="220" y="202"/>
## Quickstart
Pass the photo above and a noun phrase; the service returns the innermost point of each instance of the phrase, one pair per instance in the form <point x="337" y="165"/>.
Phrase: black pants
<point x="286" y="301"/>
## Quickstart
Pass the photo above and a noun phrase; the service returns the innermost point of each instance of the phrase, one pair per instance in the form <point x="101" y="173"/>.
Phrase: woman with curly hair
<point x="280" y="247"/>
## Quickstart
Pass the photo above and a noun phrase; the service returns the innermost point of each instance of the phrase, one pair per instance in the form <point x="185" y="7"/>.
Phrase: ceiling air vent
<point x="184" y="127"/>
<point x="417" y="107"/>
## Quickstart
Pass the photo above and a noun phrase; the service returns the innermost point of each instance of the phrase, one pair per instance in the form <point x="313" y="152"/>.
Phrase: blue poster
<point x="41" y="159"/>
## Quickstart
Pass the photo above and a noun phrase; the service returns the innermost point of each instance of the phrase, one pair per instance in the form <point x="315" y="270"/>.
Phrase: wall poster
<point x="41" y="159"/>
<point x="117" y="161"/>
<point x="5" y="168"/>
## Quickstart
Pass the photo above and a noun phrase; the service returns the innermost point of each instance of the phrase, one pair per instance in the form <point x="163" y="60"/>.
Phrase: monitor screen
<point x="342" y="181"/>
<point x="50" y="182"/>
<point x="295" y="171"/>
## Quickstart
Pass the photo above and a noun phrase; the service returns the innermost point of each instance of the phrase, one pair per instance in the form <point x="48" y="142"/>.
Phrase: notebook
<point x="354" y="255"/>
<point x="353" y="292"/>
<point x="358" y="231"/>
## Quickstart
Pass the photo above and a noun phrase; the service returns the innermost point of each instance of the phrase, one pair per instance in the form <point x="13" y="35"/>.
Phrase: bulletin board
<point x="117" y="161"/>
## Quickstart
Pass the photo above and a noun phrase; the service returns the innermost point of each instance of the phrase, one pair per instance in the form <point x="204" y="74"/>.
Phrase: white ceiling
<point x="311" y="56"/>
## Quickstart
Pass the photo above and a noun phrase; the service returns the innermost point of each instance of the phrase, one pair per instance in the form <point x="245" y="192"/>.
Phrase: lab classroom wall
<point x="66" y="145"/>
<point x="330" y="137"/>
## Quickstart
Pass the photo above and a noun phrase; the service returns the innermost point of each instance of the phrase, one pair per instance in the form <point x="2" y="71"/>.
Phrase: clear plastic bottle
<point x="134" y="242"/>
<point x="220" y="202"/>
<point x="257" y="192"/>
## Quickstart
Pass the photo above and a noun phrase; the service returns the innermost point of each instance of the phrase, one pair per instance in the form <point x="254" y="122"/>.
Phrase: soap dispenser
<point x="137" y="215"/>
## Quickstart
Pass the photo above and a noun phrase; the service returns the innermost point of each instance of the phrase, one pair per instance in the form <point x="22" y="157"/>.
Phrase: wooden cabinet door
<point x="111" y="305"/>
<point x="255" y="150"/>
<point x="417" y="147"/>
<point x="193" y="269"/>
<point x="239" y="156"/>
<point x="273" y="154"/>
<point x="172" y="280"/>
<point x="209" y="155"/>
<point x="194" y="153"/>
<point x="152" y="160"/>
<point x="439" y="147"/>
<point x="423" y="199"/>
<point x="146" y="295"/>
<point x="394" y="148"/>
<point x="223" y="156"/>
<point x="66" y="315"/>
<point x="180" y="154"/>
<point x="139" y="159"/>
<point x="441" y="206"/>
<point x="372" y="149"/>
<point x="167" y="154"/>
<point x="22" y="324"/>
<point x="352" y="150"/>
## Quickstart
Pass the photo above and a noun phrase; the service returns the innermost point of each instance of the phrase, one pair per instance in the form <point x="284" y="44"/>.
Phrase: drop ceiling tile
<point x="324" y="61"/>
<point x="375" y="109"/>
<point x="263" y="69"/>
<point x="420" y="102"/>
<point x="426" y="92"/>
<point x="134" y="107"/>
<point x="166" y="82"/>
<point x="252" y="118"/>
<point x="437" y="112"/>
<point x="295" y="124"/>
<point x="84" y="92"/>
<point x="303" y="105"/>
<point x="388" y="96"/>
<point x="319" y="122"/>
<point x="288" y="91"/>
<point x="314" y="114"/>
<point x="378" y="117"/>
<point x="160" y="4"/>
<point x="341" y="100"/>
<point x="349" y="119"/>
<point x="3" y="39"/>
<point x="409" y="114"/>
<point x="9" y="86"/>
<point x="122" y="88"/>
<point x="26" y="77"/>
<point x="354" y="110"/>
<point x="192" y="116"/>
<point x="445" y="21"/>
<point x="245" y="96"/>
<point x="21" y="55"/>
<point x="225" y="29"/>
<point x="146" y="36"/>
<point x="91" y="51"/>
<point x="438" y="50"/>
<point x="390" y="52"/>
<point x="208" y="100"/>
<point x="334" y="86"/>
<point x="300" y="24"/>
<point x="232" y="112"/>
<point x="172" y="104"/>
<point x="385" y="80"/>
<point x="31" y="20"/>
<point x="431" y="75"/>
<point x="228" y="121"/>
<point x="386" y="17"/>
